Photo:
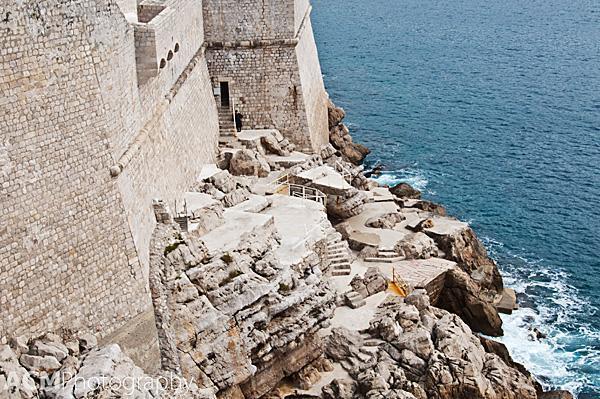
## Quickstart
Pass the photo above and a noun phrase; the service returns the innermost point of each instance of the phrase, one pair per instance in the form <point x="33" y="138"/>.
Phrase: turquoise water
<point x="493" y="109"/>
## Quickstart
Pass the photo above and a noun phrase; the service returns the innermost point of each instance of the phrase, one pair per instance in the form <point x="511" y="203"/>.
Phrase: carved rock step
<point x="354" y="300"/>
<point x="385" y="260"/>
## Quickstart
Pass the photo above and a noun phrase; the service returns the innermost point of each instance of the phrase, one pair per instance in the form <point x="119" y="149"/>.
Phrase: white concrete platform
<point x="256" y="134"/>
<point x="416" y="272"/>
<point x="254" y="204"/>
<point x="300" y="223"/>
<point x="195" y="201"/>
<point x="327" y="177"/>
<point x="387" y="237"/>
<point x="295" y="158"/>
<point x="227" y="237"/>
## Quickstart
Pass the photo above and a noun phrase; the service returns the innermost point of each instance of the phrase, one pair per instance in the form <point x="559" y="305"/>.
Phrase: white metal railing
<point x="285" y="187"/>
<point x="343" y="170"/>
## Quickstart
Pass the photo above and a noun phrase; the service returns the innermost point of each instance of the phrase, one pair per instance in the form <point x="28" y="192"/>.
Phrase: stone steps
<point x="354" y="300"/>
<point x="385" y="260"/>
<point x="386" y="256"/>
<point x="338" y="255"/>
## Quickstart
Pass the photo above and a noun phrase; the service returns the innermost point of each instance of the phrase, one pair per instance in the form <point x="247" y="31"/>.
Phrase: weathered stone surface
<point x="387" y="221"/>
<point x="439" y="359"/>
<point x="340" y="138"/>
<point x="249" y="163"/>
<point x="39" y="365"/>
<point x="461" y="295"/>
<point x="241" y="317"/>
<point x="347" y="205"/>
<point x="405" y="190"/>
<point x="373" y="282"/>
<point x="417" y="246"/>
<point x="15" y="381"/>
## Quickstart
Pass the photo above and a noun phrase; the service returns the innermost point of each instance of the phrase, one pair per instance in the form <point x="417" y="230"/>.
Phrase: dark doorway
<point x="224" y="94"/>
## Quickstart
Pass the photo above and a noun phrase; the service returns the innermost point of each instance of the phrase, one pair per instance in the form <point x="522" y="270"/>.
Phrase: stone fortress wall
<point x="85" y="146"/>
<point x="107" y="105"/>
<point x="268" y="55"/>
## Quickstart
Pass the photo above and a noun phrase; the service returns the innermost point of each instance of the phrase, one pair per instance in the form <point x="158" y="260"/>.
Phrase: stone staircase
<point x="386" y="256"/>
<point x="226" y="124"/>
<point x="354" y="300"/>
<point x="338" y="255"/>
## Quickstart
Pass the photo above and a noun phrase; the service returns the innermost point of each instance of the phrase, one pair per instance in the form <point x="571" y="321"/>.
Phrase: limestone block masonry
<point x="84" y="148"/>
<point x="271" y="64"/>
<point x="107" y="105"/>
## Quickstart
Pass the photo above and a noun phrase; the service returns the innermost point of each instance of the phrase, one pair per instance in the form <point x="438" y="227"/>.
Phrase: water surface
<point x="493" y="109"/>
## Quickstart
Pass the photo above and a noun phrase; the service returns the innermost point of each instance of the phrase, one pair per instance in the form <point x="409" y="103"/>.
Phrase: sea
<point x="493" y="110"/>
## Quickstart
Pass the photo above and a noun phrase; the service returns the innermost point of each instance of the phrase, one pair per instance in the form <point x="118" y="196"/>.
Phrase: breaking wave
<point x="557" y="310"/>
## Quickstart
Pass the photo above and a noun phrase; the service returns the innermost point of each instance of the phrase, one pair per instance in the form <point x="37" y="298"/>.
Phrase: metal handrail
<point x="284" y="187"/>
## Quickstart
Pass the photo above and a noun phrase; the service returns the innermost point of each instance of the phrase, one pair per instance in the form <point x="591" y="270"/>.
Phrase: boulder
<point x="417" y="246"/>
<point x="271" y="145"/>
<point x="223" y="181"/>
<point x="39" y="365"/>
<point x="335" y="114"/>
<point x="15" y="381"/>
<point x="461" y="295"/>
<point x="236" y="197"/>
<point x="373" y="282"/>
<point x="386" y="221"/>
<point x="249" y="163"/>
<point x="340" y="138"/>
<point x="405" y="190"/>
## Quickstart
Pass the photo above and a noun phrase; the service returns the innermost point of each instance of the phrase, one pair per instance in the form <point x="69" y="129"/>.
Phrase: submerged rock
<point x="405" y="190"/>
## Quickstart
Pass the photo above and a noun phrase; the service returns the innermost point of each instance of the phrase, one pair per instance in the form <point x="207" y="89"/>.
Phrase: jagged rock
<point x="327" y="151"/>
<point x="15" y="381"/>
<point x="335" y="114"/>
<point x="442" y="361"/>
<point x="464" y="248"/>
<point x="20" y="344"/>
<point x="343" y="343"/>
<point x="419" y="299"/>
<point x="223" y="181"/>
<point x="340" y="138"/>
<point x="224" y="160"/>
<point x="424" y="224"/>
<point x="271" y="145"/>
<point x="240" y="318"/>
<point x="208" y="218"/>
<point x="373" y="282"/>
<point x="87" y="342"/>
<point x="307" y="377"/>
<point x="101" y="367"/>
<point x="236" y="197"/>
<point x="405" y="190"/>
<point x="417" y="246"/>
<point x="367" y="252"/>
<point x="54" y="349"/>
<point x="461" y="295"/>
<point x="429" y="206"/>
<point x="344" y="207"/>
<point x="340" y="389"/>
<point x="249" y="163"/>
<point x="39" y="365"/>
<point x="387" y="221"/>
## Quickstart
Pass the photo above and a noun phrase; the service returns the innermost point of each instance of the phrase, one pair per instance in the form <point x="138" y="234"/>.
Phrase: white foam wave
<point x="414" y="177"/>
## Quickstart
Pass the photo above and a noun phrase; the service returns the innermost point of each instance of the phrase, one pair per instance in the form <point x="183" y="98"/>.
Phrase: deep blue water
<point x="493" y="109"/>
